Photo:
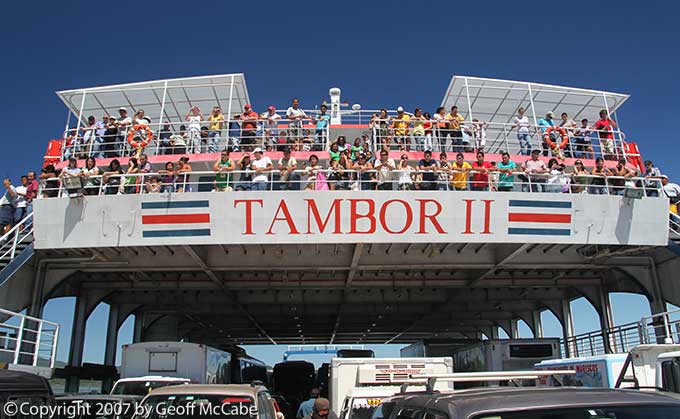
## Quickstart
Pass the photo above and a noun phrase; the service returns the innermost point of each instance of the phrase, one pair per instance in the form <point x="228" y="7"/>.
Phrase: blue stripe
<point x="540" y="231"/>
<point x="176" y="204"/>
<point x="540" y="204"/>
<point x="176" y="233"/>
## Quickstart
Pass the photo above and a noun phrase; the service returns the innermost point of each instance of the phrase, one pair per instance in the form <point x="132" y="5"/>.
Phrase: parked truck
<point x="357" y="385"/>
<point x="199" y="363"/>
<point x="647" y="366"/>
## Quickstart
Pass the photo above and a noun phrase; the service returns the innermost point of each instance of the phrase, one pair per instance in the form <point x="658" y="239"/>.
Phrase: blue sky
<point x="380" y="54"/>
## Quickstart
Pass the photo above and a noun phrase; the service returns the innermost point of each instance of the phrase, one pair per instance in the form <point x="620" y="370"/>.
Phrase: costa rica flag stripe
<point x="539" y="218"/>
<point x="176" y="219"/>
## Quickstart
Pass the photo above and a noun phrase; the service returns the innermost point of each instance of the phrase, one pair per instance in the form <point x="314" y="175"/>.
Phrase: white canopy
<point x="171" y="98"/>
<point x="497" y="101"/>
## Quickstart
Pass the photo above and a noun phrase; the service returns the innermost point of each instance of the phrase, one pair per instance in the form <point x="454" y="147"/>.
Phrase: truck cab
<point x="653" y="366"/>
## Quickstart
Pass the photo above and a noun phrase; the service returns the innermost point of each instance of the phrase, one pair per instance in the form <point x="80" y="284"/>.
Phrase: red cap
<point x="271" y="108"/>
<point x="247" y="106"/>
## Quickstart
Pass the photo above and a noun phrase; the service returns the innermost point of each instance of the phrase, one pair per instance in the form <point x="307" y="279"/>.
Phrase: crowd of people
<point x="349" y="167"/>
<point x="419" y="131"/>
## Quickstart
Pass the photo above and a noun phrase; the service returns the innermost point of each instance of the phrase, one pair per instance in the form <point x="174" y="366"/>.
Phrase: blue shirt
<point x="306" y="408"/>
<point x="505" y="180"/>
<point x="322" y="121"/>
<point x="543" y="122"/>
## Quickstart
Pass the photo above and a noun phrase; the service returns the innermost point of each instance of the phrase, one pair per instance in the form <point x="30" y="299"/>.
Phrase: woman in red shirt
<point x="480" y="175"/>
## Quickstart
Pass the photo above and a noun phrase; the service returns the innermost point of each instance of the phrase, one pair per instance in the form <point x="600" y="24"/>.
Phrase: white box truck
<point x="199" y="363"/>
<point x="369" y="380"/>
<point x="591" y="371"/>
<point x="505" y="354"/>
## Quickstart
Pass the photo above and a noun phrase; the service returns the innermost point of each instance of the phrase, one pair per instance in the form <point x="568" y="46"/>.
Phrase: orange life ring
<point x="144" y="142"/>
<point x="563" y="134"/>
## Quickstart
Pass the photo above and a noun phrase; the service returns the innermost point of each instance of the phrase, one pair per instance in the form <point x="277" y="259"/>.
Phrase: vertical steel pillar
<point x="111" y="343"/>
<point x="538" y="324"/>
<point x="139" y="325"/>
<point x="467" y="94"/>
<point x="514" y="329"/>
<point x="606" y="320"/>
<point x="75" y="356"/>
<point x="160" y="118"/>
<point x="570" y="349"/>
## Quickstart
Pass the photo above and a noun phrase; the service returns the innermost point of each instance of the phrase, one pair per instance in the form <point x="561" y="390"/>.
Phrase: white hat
<point x="257" y="150"/>
<point x="551" y="113"/>
<point x="122" y="108"/>
<point x="400" y="109"/>
<point x="663" y="177"/>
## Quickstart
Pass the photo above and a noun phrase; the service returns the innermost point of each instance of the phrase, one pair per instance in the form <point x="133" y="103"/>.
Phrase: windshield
<point x="141" y="388"/>
<point x="615" y="412"/>
<point x="363" y="407"/>
<point x="383" y="410"/>
<point x="208" y="406"/>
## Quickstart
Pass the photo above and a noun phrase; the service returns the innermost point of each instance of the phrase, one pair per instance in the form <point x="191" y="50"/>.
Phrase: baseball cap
<point x="271" y="108"/>
<point x="122" y="108"/>
<point x="551" y="113"/>
<point x="400" y="109"/>
<point x="664" y="177"/>
<point x="257" y="150"/>
<point x="247" y="106"/>
<point x="536" y="152"/>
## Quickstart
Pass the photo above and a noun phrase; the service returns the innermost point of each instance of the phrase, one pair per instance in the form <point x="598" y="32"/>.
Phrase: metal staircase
<point x="16" y="247"/>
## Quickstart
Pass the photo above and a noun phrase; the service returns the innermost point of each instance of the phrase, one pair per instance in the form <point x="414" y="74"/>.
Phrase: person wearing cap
<point x="545" y="123"/>
<point x="108" y="147"/>
<point x="271" y="125"/>
<point x="216" y="122"/>
<point x="322" y="121"/>
<point x="401" y="125"/>
<point x="455" y="120"/>
<point x="672" y="191"/>
<point x="248" y="127"/>
<point x="194" y="117"/>
<point x="295" y="115"/>
<point x="260" y="165"/>
<point x="535" y="170"/>
<point x="122" y="124"/>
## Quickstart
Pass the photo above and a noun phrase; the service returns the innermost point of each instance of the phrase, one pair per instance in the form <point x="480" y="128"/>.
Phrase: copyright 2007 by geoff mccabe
<point x="84" y="408"/>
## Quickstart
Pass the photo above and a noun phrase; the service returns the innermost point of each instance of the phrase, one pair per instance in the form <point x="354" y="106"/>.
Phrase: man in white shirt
<point x="271" y="125"/>
<point x="7" y="202"/>
<point x="21" y="202"/>
<point x="296" y="116"/>
<point x="260" y="165"/>
<point x="384" y="167"/>
<point x="523" y="134"/>
<point x="672" y="190"/>
<point x="536" y="170"/>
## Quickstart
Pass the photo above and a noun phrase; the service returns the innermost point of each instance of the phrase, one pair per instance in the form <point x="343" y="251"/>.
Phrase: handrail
<point x="20" y="233"/>
<point x="29" y="345"/>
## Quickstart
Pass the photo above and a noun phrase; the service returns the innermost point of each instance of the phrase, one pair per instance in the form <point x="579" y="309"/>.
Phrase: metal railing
<point x="318" y="178"/>
<point x="673" y="226"/>
<point x="583" y="142"/>
<point x="15" y="239"/>
<point x="26" y="340"/>
<point x="658" y="328"/>
<point x="183" y="137"/>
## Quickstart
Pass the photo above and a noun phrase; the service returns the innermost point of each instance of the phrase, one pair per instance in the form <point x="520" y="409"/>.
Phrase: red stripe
<point x="539" y="218"/>
<point x="176" y="219"/>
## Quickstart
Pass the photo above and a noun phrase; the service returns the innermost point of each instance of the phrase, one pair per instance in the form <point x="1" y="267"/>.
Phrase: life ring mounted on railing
<point x="145" y="141"/>
<point x="563" y="134"/>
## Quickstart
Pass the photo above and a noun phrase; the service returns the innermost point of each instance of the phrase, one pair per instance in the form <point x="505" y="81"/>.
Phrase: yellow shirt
<point x="459" y="179"/>
<point x="401" y="126"/>
<point x="418" y="127"/>
<point x="455" y="121"/>
<point x="216" y="122"/>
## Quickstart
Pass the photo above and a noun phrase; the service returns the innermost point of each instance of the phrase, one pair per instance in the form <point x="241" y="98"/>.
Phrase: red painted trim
<point x="176" y="219"/>
<point x="539" y="218"/>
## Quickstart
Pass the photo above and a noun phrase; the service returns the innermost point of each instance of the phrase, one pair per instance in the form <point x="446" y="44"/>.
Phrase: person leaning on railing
<point x="622" y="179"/>
<point x="506" y="181"/>
<point x="223" y="168"/>
<point x="168" y="177"/>
<point x="534" y="170"/>
<point x="652" y="178"/>
<point x="579" y="178"/>
<point x="599" y="182"/>
<point x="183" y="175"/>
<point x="111" y="178"/>
<point x="459" y="177"/>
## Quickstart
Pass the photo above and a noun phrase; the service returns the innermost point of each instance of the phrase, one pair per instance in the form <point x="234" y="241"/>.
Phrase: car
<point x="237" y="401"/>
<point x="19" y="386"/>
<point x="99" y="406"/>
<point x="141" y="386"/>
<point x="531" y="403"/>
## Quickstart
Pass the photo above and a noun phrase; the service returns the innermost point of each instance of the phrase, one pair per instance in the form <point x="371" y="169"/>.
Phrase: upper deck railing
<point x="183" y="137"/>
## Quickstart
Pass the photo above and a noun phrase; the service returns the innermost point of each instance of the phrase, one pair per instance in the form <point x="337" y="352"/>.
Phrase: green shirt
<point x="506" y="180"/>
